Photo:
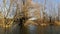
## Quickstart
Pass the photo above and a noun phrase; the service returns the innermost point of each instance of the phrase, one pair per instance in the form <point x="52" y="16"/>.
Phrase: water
<point x="31" y="29"/>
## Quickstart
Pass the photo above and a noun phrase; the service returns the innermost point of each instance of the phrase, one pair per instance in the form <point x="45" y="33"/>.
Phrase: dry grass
<point x="57" y="23"/>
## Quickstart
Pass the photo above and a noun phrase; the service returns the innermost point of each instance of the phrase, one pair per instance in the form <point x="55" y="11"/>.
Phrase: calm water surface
<point x="31" y="29"/>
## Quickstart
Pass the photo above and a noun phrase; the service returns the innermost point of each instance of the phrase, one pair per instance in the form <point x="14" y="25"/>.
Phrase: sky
<point x="42" y="1"/>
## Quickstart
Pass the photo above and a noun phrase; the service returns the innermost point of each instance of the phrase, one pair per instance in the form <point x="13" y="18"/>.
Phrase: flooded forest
<point x="29" y="16"/>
